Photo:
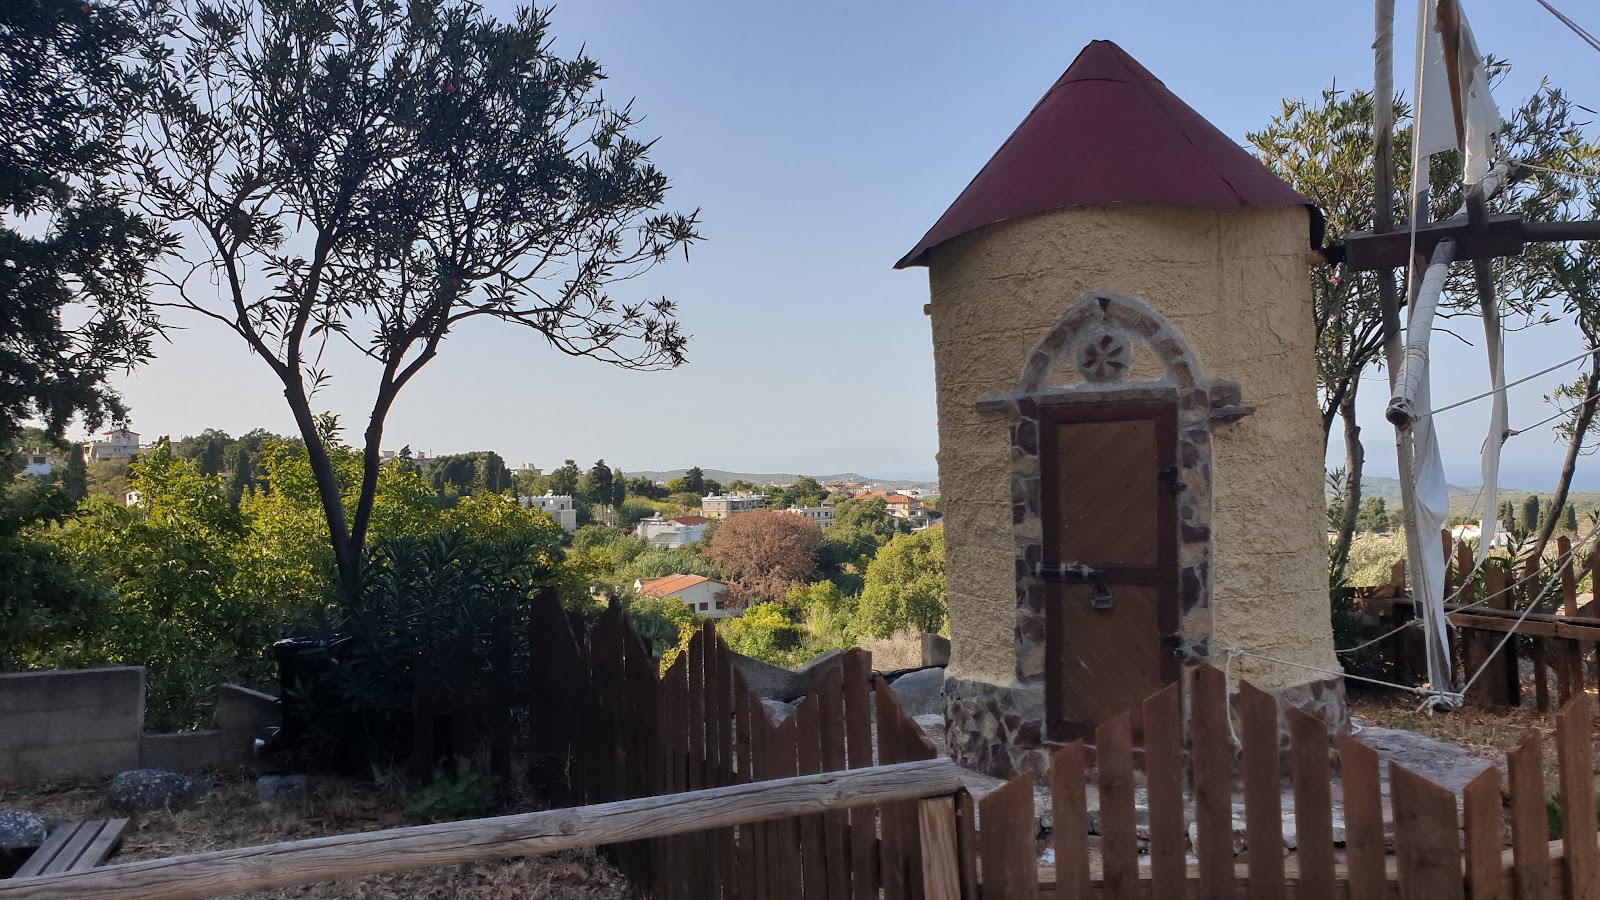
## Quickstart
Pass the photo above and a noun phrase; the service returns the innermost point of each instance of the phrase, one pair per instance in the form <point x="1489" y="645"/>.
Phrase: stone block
<point x="182" y="751"/>
<point x="935" y="649"/>
<point x="115" y="689"/>
<point x="85" y="760"/>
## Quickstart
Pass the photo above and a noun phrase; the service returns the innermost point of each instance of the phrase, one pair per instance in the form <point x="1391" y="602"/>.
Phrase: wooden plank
<point x="856" y="673"/>
<point x="1005" y="842"/>
<point x="1313" y="803"/>
<point x="892" y="845"/>
<point x="1529" y="822"/>
<point x="1541" y="678"/>
<point x="967" y="843"/>
<point x="1363" y="817"/>
<point x="936" y="834"/>
<point x="830" y="693"/>
<point x="1481" y="808"/>
<point x="67" y="859"/>
<point x="1213" y="780"/>
<point x="104" y="844"/>
<point x="813" y="845"/>
<point x="1263" y="782"/>
<point x="1575" y="759"/>
<point x="785" y="850"/>
<point x="1426" y="837"/>
<point x="1569" y="668"/>
<point x="241" y="870"/>
<point x="1069" y="815"/>
<point x="1119" y="837"/>
<point x="1163" y="767"/>
<point x="51" y="848"/>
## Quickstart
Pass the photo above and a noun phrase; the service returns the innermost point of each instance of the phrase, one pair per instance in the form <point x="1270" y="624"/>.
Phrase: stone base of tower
<point x="1000" y="730"/>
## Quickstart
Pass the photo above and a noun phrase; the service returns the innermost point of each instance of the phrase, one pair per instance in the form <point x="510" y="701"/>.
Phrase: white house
<point x="706" y="596"/>
<point x="39" y="462"/>
<point x="1472" y="532"/>
<point x="721" y="506"/>
<point x="822" y="515"/>
<point x="118" y="443"/>
<point x="675" y="532"/>
<point x="559" y="506"/>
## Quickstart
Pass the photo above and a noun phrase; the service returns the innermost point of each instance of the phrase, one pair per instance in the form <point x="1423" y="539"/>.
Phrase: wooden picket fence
<point x="602" y="726"/>
<point x="1436" y="853"/>
<point x="1558" y="647"/>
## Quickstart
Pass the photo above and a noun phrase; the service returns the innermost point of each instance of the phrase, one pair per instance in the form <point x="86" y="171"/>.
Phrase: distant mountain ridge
<point x="1464" y="497"/>
<point x="723" y="476"/>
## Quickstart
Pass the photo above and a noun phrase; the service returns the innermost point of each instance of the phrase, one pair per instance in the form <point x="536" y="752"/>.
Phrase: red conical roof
<point x="1108" y="131"/>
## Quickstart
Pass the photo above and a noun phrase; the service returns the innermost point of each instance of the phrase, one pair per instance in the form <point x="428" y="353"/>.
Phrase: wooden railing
<point x="1485" y="607"/>
<point x="1436" y="852"/>
<point x="927" y="786"/>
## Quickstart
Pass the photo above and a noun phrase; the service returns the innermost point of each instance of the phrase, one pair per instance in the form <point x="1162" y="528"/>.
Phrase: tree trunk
<point x="1580" y="430"/>
<point x="1355" y="457"/>
<point x="346" y="557"/>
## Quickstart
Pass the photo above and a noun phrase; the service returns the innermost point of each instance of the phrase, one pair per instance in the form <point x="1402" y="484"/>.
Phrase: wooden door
<point x="1109" y="477"/>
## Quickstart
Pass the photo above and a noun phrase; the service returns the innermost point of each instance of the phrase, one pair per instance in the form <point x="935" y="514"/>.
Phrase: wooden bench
<point x="74" y="847"/>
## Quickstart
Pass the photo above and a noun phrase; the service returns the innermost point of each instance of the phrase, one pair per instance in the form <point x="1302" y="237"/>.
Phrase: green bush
<point x="451" y="796"/>
<point x="425" y="600"/>
<point x="769" y="632"/>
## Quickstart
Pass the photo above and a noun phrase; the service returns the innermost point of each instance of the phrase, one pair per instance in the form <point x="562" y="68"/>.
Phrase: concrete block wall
<point x="80" y="723"/>
<point x="89" y="723"/>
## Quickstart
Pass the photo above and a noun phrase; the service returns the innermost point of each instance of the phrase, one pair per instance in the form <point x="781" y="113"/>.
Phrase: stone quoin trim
<point x="1002" y="730"/>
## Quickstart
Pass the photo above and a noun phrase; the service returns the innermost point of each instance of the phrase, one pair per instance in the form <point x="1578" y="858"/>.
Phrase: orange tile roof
<point x="690" y="520"/>
<point x="668" y="585"/>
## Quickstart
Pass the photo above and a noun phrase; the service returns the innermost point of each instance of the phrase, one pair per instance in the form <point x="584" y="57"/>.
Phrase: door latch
<point x="1078" y="573"/>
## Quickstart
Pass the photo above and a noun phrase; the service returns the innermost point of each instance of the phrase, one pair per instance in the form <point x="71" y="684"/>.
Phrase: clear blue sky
<point x="821" y="140"/>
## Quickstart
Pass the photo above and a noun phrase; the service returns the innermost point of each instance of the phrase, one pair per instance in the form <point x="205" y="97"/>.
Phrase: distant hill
<point x="723" y="476"/>
<point x="1463" y="498"/>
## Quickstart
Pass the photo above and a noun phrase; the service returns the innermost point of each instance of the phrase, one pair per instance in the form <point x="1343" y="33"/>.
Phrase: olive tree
<point x="377" y="173"/>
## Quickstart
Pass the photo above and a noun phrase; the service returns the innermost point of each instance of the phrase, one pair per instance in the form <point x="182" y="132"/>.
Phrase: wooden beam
<point x="1503" y="236"/>
<point x="226" y="872"/>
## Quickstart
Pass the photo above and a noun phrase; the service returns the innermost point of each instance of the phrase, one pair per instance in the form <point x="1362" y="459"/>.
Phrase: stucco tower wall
<point x="1234" y="286"/>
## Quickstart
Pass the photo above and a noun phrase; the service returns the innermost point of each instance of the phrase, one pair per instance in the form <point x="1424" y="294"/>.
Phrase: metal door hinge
<point x="1170" y="476"/>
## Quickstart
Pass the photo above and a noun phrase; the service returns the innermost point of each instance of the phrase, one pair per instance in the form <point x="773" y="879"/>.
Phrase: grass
<point x="1490" y="732"/>
<point x="232" y="817"/>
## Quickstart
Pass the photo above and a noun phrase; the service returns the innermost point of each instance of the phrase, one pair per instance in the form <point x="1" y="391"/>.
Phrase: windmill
<point x="1448" y="64"/>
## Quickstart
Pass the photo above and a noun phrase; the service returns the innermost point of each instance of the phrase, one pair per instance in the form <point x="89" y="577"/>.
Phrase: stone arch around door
<point x="1111" y="348"/>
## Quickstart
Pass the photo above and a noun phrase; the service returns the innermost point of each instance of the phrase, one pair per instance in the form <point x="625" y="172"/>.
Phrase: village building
<point x="1130" y="458"/>
<point x="822" y="515"/>
<point x="705" y="596"/>
<point x="679" y="531"/>
<point x="721" y="506"/>
<point x="559" y="506"/>
<point x="118" y="444"/>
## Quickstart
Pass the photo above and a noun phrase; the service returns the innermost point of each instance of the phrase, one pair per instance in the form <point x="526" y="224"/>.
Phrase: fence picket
<point x="893" y="852"/>
<point x="1163" y="766"/>
<point x="1313" y="803"/>
<point x="1263" y="780"/>
<point x="1213" y="780"/>
<point x="830" y="694"/>
<point x="1575" y="757"/>
<point x="1069" y="816"/>
<point x="1005" y="842"/>
<point x="1529" y="822"/>
<point x="1480" y="802"/>
<point x="813" y="848"/>
<point x="1426" y="837"/>
<point x="1119" y="837"/>
<point x="1363" y="818"/>
<point x="856" y="672"/>
<point x="967" y="843"/>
